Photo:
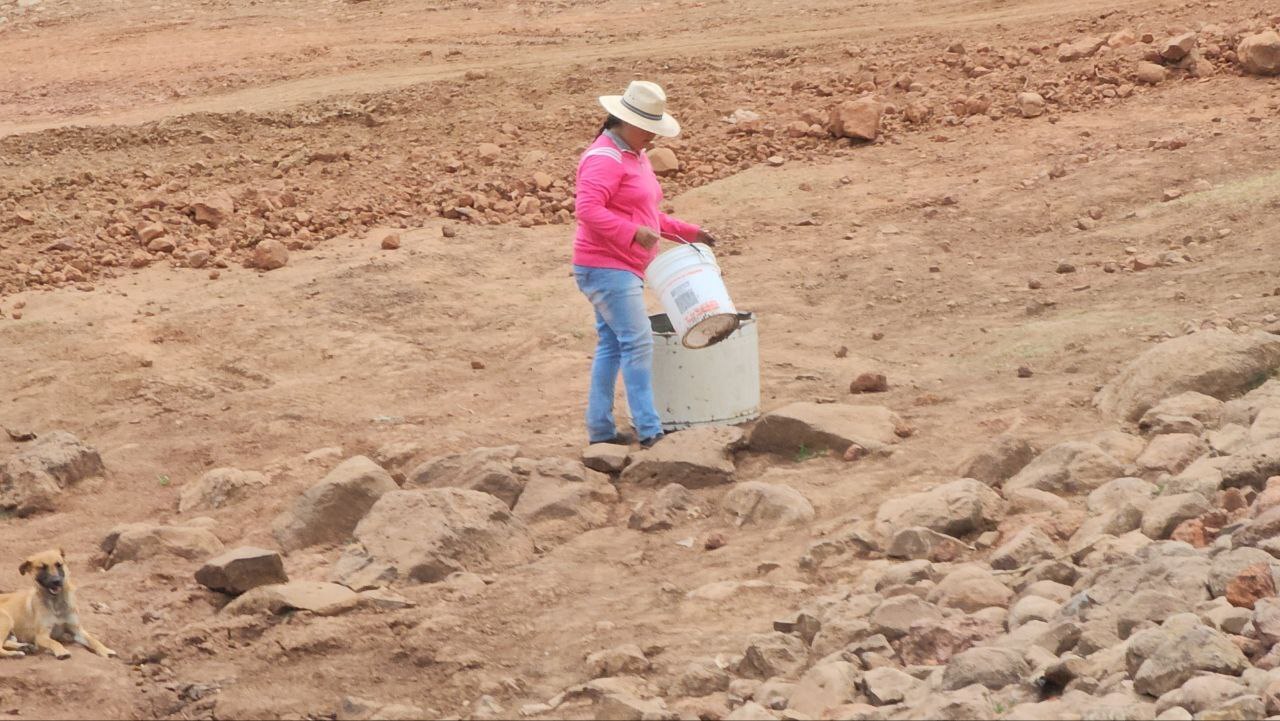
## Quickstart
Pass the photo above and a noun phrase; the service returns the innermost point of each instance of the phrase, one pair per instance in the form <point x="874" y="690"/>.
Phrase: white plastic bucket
<point x="687" y="280"/>
<point x="716" y="386"/>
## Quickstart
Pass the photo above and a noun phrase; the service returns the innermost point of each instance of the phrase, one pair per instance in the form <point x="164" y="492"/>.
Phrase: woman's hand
<point x="646" y="237"/>
<point x="705" y="238"/>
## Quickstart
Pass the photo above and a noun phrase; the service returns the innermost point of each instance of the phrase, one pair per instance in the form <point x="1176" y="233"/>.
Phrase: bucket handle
<point x="677" y="239"/>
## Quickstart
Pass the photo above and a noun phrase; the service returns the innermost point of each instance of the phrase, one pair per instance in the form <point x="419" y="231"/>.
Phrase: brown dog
<point x="37" y="615"/>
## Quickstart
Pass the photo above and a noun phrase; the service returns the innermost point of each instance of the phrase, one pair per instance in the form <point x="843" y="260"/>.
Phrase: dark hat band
<point x="638" y="111"/>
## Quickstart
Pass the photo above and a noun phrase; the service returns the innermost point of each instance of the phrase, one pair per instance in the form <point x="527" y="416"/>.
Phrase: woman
<point x="619" y="226"/>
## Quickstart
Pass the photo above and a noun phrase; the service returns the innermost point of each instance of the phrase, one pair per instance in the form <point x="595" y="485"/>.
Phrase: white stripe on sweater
<point x="608" y="152"/>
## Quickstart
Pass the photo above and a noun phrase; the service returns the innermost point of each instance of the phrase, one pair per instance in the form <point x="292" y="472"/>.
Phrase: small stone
<point x="1034" y="284"/>
<point x="477" y="365"/>
<point x="1150" y="73"/>
<point x="150" y="232"/>
<point x="270" y="254"/>
<point x="544" y="181"/>
<point x="776" y="161"/>
<point x="1178" y="47"/>
<point x="1065" y="267"/>
<point x="1171" y="194"/>
<point x="448" y="231"/>
<point x="391" y="241"/>
<point x="858" y="119"/>
<point x="869" y="383"/>
<point x="162" y="244"/>
<point x="664" y="161"/>
<point x="1024" y="372"/>
<point x="1030" y="104"/>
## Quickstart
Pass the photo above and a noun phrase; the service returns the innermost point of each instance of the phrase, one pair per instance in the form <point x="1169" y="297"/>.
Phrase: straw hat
<point x="644" y="105"/>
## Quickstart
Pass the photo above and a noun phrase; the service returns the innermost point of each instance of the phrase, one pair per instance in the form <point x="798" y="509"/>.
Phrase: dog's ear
<point x="25" y="568"/>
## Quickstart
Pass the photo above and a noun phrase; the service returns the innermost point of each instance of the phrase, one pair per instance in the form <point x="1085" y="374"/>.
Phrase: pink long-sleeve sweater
<point x="618" y="192"/>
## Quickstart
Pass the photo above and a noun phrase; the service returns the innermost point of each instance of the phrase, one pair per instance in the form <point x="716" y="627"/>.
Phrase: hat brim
<point x="667" y="127"/>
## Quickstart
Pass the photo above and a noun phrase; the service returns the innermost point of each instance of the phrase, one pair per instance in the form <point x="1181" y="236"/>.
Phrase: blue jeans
<point x="626" y="342"/>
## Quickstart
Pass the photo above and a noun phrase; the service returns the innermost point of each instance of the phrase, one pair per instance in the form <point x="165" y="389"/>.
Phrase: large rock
<point x="695" y="458"/>
<point x="1228" y="564"/>
<point x="1245" y="409"/>
<point x="1218" y="363"/>
<point x="1186" y="654"/>
<point x="956" y="509"/>
<point x="931" y="643"/>
<point x="1252" y="466"/>
<point x="213" y="210"/>
<point x="623" y="660"/>
<point x="311" y="596"/>
<point x="918" y="542"/>
<point x="1260" y="54"/>
<point x="1121" y="493"/>
<point x="1024" y="548"/>
<point x="1205" y="409"/>
<point x="760" y="503"/>
<point x="665" y="509"/>
<point x="1185" y="574"/>
<point x="1166" y="512"/>
<point x="141" y="541"/>
<point x="774" y="655"/>
<point x="422" y="536"/>
<point x="31" y="478"/>
<point x="1257" y="530"/>
<point x="825" y="427"/>
<point x="329" y="511"/>
<point x="606" y="457"/>
<point x="701" y="678"/>
<point x="1250" y="585"/>
<point x="563" y="498"/>
<point x="858" y="119"/>
<point x="1266" y="426"/>
<point x="1202" y="693"/>
<point x="242" y="569"/>
<point x="886" y="685"/>
<point x="971" y="702"/>
<point x="825" y="686"/>
<point x="220" y="487"/>
<point x="987" y="666"/>
<point x="1068" y="468"/>
<point x="999" y="461"/>
<point x="1171" y="453"/>
<point x="489" y="470"/>
<point x="970" y="588"/>
<point x="1147" y="605"/>
<point x="893" y="618"/>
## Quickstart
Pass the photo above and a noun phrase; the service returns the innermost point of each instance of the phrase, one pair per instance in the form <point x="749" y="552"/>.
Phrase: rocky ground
<point x="294" y="366"/>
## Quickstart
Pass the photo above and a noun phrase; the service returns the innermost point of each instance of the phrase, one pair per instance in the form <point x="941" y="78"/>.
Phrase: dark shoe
<point x="622" y="439"/>
<point x="649" y="442"/>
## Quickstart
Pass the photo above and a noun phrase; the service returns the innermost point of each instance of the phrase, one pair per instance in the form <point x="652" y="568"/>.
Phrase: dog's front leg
<point x="84" y="638"/>
<point x="45" y="641"/>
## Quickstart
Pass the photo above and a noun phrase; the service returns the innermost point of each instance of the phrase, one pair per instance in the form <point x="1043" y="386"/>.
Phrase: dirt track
<point x="353" y="347"/>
